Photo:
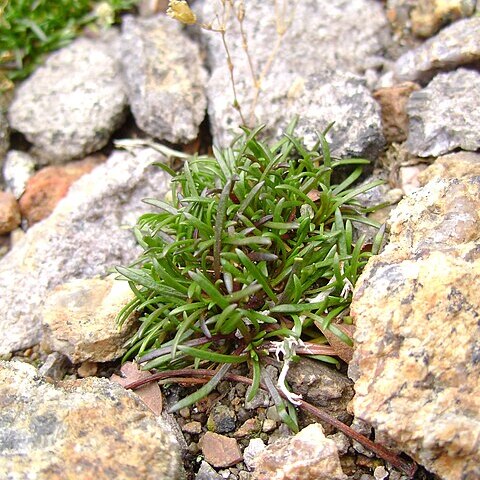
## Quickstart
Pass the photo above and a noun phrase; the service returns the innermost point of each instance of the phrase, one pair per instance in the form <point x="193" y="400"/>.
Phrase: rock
<point x="17" y="169"/>
<point x="250" y="427"/>
<point x="55" y="366"/>
<point x="4" y="135"/>
<point x="416" y="309"/>
<point x="9" y="213"/>
<point x="309" y="455"/>
<point x="430" y="15"/>
<point x="220" y="451"/>
<point x="69" y="107"/>
<point x="87" y="369"/>
<point x="84" y="237"/>
<point x="313" y="85"/>
<point x="164" y="78"/>
<point x="221" y="419"/>
<point x="453" y="165"/>
<point x="206" y="472"/>
<point x="193" y="428"/>
<point x="269" y="425"/>
<point x="261" y="399"/>
<point x="321" y="386"/>
<point x="90" y="428"/>
<point x="254" y="448"/>
<point x="454" y="46"/>
<point x="49" y="185"/>
<point x="444" y="115"/>
<point x="150" y="393"/>
<point x="393" y="102"/>
<point x="409" y="177"/>
<point x="79" y="319"/>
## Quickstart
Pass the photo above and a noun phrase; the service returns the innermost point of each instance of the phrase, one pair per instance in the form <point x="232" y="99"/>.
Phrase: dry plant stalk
<point x="180" y="10"/>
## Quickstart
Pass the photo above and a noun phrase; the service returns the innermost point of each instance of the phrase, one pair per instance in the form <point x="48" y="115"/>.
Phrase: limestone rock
<point x="85" y="236"/>
<point x="393" y="102"/>
<point x="430" y="15"/>
<point x="321" y="386"/>
<point x="4" y="135"/>
<point x="79" y="319"/>
<point x="9" y="213"/>
<point x="83" y="429"/>
<point x="49" y="185"/>
<point x="250" y="455"/>
<point x="313" y="84"/>
<point x="453" y="165"/>
<point x="309" y="455"/>
<point x="456" y="45"/>
<point x="18" y="167"/>
<point x="220" y="451"/>
<point x="69" y="107"/>
<point x="164" y="78"/>
<point x="445" y="114"/>
<point x="416" y="308"/>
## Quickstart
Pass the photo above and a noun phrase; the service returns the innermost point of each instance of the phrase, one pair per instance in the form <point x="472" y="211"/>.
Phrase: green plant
<point x="255" y="253"/>
<point x="29" y="29"/>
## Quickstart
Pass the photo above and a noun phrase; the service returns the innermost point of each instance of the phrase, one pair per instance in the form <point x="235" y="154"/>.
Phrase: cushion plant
<point x="255" y="252"/>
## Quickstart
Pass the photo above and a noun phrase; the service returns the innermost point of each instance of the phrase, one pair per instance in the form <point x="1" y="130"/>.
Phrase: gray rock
<point x="70" y="106"/>
<point x="322" y="386"/>
<point x="254" y="448"/>
<point x="4" y="135"/>
<point x="206" y="472"/>
<point x="55" y="366"/>
<point x="458" y="44"/>
<point x="299" y="80"/>
<point x="445" y="115"/>
<point x="85" y="236"/>
<point x="416" y="309"/>
<point x="165" y="78"/>
<point x="318" y="100"/>
<point x="18" y="167"/>
<point x="91" y="428"/>
<point x="221" y="419"/>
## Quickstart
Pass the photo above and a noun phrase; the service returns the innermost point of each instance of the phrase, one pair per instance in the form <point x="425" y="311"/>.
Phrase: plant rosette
<point x="254" y="254"/>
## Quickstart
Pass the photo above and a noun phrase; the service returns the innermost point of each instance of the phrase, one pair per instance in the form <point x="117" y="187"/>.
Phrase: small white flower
<point x="288" y="349"/>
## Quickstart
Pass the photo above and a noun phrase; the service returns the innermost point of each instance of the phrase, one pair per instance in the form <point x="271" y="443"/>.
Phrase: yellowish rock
<point x="417" y="314"/>
<point x="79" y="319"/>
<point x="82" y="430"/>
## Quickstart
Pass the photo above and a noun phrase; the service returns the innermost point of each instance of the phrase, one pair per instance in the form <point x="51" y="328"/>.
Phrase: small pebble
<point x="184" y="412"/>
<point x="206" y="472"/>
<point x="220" y="451"/>
<point x="250" y="454"/>
<point x="193" y="428"/>
<point x="251" y="427"/>
<point x="222" y="419"/>
<point x="380" y="473"/>
<point x="87" y="369"/>
<point x="272" y="414"/>
<point x="269" y="425"/>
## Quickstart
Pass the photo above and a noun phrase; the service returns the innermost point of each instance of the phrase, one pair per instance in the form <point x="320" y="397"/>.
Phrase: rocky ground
<point x="401" y="81"/>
